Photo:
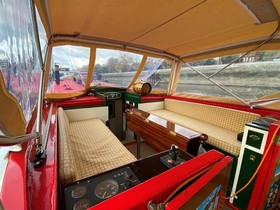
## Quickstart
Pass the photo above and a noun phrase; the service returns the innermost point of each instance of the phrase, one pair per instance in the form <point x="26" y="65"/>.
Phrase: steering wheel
<point x="112" y="95"/>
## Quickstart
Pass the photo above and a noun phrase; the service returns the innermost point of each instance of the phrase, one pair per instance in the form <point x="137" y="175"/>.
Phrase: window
<point x="19" y="61"/>
<point x="115" y="68"/>
<point x="156" y="71"/>
<point x="69" y="69"/>
<point x="254" y="76"/>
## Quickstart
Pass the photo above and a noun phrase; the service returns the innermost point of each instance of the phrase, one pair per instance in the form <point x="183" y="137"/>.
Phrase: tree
<point x="125" y="62"/>
<point x="271" y="55"/>
<point x="98" y="68"/>
<point x="111" y="65"/>
<point x="228" y="59"/>
<point x="165" y="65"/>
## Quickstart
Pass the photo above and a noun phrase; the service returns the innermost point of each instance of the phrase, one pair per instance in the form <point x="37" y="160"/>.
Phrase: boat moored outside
<point x="197" y="82"/>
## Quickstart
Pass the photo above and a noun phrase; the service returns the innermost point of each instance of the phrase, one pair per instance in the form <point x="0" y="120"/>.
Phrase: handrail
<point x="259" y="103"/>
<point x="42" y="76"/>
<point x="220" y="86"/>
<point x="41" y="148"/>
<point x="209" y="78"/>
<point x="12" y="140"/>
<point x="275" y="32"/>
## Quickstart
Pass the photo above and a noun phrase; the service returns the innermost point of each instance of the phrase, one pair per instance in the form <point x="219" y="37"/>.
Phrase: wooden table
<point x="160" y="134"/>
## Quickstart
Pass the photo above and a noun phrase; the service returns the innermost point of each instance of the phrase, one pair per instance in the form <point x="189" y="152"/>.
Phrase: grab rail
<point x="259" y="103"/>
<point x="12" y="140"/>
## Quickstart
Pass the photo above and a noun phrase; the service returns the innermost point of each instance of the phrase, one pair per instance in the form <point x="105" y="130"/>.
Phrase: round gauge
<point x="82" y="204"/>
<point x="106" y="189"/>
<point x="79" y="192"/>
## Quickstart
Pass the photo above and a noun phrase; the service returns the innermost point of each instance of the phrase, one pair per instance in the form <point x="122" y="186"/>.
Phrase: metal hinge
<point x="153" y="206"/>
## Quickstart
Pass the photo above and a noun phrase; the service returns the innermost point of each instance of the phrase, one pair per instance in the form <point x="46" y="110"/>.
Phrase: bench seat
<point x="86" y="148"/>
<point x="222" y="125"/>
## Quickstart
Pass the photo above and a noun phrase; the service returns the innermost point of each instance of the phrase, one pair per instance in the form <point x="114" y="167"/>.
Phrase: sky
<point x="78" y="56"/>
<point x="16" y="38"/>
<point x="15" y="26"/>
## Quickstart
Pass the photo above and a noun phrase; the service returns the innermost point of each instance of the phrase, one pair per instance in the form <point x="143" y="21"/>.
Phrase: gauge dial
<point x="79" y="192"/>
<point x="82" y="204"/>
<point x="106" y="189"/>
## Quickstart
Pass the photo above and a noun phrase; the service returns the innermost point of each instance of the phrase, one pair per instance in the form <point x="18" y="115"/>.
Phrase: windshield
<point x="115" y="68"/>
<point x="156" y="71"/>
<point x="69" y="69"/>
<point x="251" y="77"/>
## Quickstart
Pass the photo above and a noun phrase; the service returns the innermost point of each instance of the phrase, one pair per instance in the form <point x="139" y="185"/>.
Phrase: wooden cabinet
<point x="160" y="135"/>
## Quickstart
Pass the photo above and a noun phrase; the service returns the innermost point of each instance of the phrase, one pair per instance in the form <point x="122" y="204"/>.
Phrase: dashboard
<point x="93" y="190"/>
<point x="86" y="193"/>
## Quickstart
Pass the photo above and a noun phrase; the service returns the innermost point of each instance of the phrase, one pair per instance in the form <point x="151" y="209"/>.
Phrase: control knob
<point x="128" y="180"/>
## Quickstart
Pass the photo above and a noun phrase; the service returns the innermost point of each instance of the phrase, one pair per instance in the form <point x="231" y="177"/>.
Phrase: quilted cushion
<point x="65" y="157"/>
<point x="229" y="119"/>
<point x="86" y="148"/>
<point x="95" y="148"/>
<point x="222" y="125"/>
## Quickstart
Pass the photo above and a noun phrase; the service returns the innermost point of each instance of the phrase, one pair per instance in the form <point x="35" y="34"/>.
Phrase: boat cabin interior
<point x="145" y="104"/>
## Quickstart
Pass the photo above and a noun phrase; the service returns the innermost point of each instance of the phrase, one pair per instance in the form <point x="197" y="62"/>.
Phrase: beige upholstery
<point x="91" y="148"/>
<point x="220" y="124"/>
<point x="65" y="158"/>
<point x="225" y="118"/>
<point x="12" y="121"/>
<point x="97" y="149"/>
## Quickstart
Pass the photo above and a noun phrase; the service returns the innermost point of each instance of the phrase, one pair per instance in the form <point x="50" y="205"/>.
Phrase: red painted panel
<point x="82" y="101"/>
<point x="185" y="195"/>
<point x="42" y="181"/>
<point x="265" y="173"/>
<point x="13" y="194"/>
<point x="161" y="186"/>
<point x="26" y="187"/>
<point x="150" y="98"/>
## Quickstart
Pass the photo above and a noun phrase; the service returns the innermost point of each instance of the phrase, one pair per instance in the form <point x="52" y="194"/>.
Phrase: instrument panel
<point x="88" y="192"/>
<point x="83" y="194"/>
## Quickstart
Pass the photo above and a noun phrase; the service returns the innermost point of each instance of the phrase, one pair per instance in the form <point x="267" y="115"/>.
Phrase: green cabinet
<point x="252" y="149"/>
<point x="249" y="165"/>
<point x="254" y="139"/>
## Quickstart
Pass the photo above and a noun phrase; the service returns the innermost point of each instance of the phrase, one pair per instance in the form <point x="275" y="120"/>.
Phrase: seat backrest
<point x="65" y="161"/>
<point x="226" y="118"/>
<point x="12" y="121"/>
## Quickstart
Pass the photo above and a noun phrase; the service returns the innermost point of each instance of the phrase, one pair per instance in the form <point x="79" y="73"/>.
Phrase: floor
<point x="131" y="145"/>
<point x="145" y="150"/>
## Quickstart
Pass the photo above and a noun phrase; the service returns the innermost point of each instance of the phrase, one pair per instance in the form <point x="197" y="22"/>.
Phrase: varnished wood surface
<point x="158" y="137"/>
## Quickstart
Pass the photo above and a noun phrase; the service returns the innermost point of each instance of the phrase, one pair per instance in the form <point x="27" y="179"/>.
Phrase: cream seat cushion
<point x="87" y="148"/>
<point x="230" y="119"/>
<point x="95" y="148"/>
<point x="65" y="156"/>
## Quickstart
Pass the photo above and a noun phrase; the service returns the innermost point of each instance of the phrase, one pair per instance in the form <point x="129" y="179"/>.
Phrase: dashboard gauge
<point x="106" y="189"/>
<point x="79" y="192"/>
<point x="82" y="204"/>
